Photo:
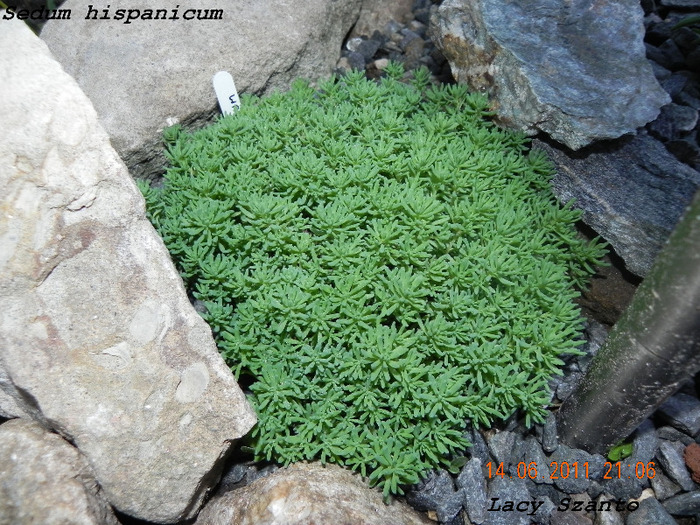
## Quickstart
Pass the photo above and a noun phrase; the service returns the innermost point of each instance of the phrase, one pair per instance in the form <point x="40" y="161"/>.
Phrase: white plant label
<point x="226" y="92"/>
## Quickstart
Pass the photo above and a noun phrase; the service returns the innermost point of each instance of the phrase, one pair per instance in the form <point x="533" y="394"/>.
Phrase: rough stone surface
<point x="99" y="341"/>
<point x="147" y="75"/>
<point x="572" y="518"/>
<point x="686" y="504"/>
<point x="671" y="459"/>
<point x="650" y="511"/>
<point x="646" y="443"/>
<point x="663" y="487"/>
<point x="533" y="453"/>
<point x="685" y="4"/>
<point x="437" y="492"/>
<point x="632" y="192"/>
<point x="303" y="494"/>
<point x="506" y="490"/>
<point x="607" y="517"/>
<point x="682" y="412"/>
<point x="473" y="485"/>
<point x="691" y="456"/>
<point x="377" y="13"/>
<point x="576" y="71"/>
<point x="550" y="440"/>
<point x="501" y="447"/>
<point x="45" y="480"/>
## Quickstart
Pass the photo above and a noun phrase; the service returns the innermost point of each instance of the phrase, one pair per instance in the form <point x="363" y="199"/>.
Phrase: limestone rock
<point x="632" y="192"/>
<point x="576" y="71"/>
<point x="99" y="341"/>
<point x="150" y="74"/>
<point x="304" y="494"/>
<point x="45" y="480"/>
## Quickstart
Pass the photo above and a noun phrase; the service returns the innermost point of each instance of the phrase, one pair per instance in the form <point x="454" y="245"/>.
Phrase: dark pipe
<point x="650" y="353"/>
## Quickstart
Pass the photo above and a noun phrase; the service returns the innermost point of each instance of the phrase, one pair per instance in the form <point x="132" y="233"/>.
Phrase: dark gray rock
<point x="685" y="150"/>
<point x="661" y="73"/>
<point x="472" y="483"/>
<point x="596" y="489"/>
<point x="683" y="4"/>
<point x="682" y="412"/>
<point x="667" y="54"/>
<point x="648" y="5"/>
<point x="412" y="45"/>
<point x="569" y="518"/>
<point x="609" y="516"/>
<point x="423" y="15"/>
<point x="650" y="511"/>
<point x="674" y="121"/>
<point x="479" y="448"/>
<point x="532" y="453"/>
<point x="692" y="88"/>
<point x="625" y="487"/>
<point x="674" y="85"/>
<point x="550" y="440"/>
<point x="577" y="73"/>
<point x="686" y="504"/>
<point x="545" y="510"/>
<point x="663" y="487"/>
<point x="596" y="333"/>
<point x="692" y="59"/>
<point x="368" y="48"/>
<point x="670" y="457"/>
<point x="632" y="192"/>
<point x="686" y="39"/>
<point x="500" y="491"/>
<point x="567" y="384"/>
<point x="356" y="60"/>
<point x="242" y="474"/>
<point x="646" y="443"/>
<point x="658" y="30"/>
<point x="518" y="447"/>
<point x="688" y="100"/>
<point x="501" y="447"/>
<point x="673" y="434"/>
<point x="596" y="469"/>
<point x="571" y="478"/>
<point x="437" y="492"/>
<point x="543" y="491"/>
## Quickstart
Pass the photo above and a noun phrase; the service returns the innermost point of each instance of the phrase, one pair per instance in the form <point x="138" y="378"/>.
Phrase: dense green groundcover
<point x="382" y="261"/>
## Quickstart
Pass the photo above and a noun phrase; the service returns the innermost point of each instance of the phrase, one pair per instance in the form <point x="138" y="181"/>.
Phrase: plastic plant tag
<point x="226" y="92"/>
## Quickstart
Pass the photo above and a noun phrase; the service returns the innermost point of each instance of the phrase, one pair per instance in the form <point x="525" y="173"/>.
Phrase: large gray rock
<point x="45" y="480"/>
<point x="632" y="192"/>
<point x="149" y="74"/>
<point x="99" y="341"/>
<point x="575" y="70"/>
<point x="307" y="493"/>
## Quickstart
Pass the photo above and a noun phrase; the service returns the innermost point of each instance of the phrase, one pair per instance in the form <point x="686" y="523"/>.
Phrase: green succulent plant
<point x="381" y="262"/>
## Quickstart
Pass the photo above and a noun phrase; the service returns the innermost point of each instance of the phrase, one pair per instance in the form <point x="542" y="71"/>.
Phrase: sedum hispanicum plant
<point x="382" y="262"/>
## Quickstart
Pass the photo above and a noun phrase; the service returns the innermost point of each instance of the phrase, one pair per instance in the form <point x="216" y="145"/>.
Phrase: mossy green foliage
<point x="383" y="261"/>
